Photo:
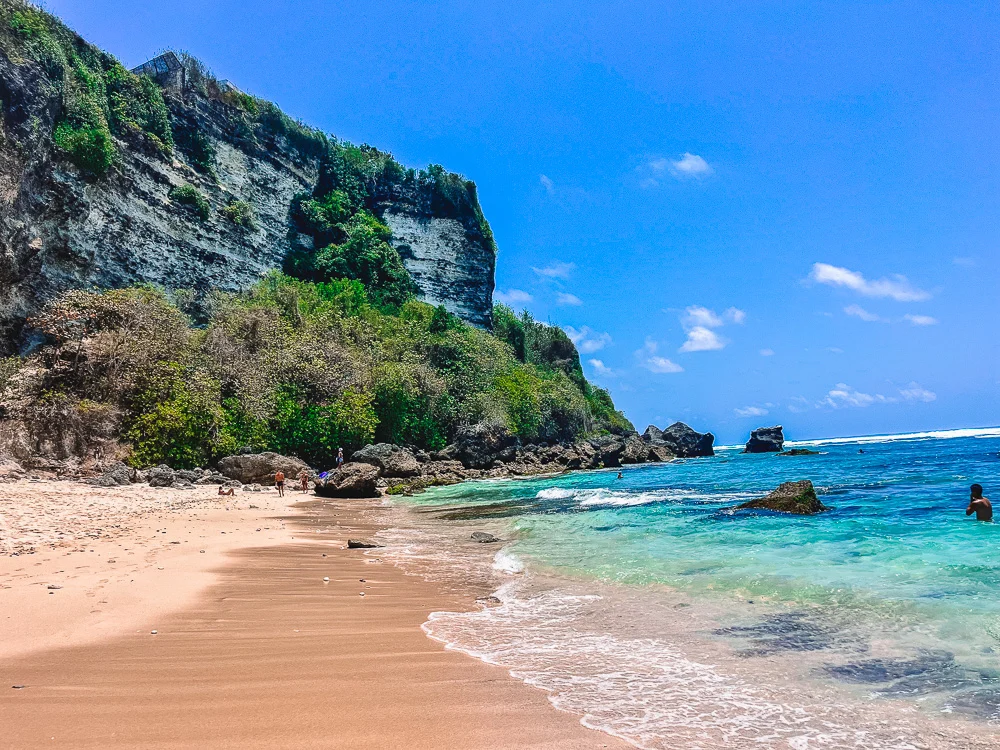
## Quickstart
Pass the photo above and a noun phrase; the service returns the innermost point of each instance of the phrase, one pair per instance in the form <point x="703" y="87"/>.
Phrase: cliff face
<point x="60" y="229"/>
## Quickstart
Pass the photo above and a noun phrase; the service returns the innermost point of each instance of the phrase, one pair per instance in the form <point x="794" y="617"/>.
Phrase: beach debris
<point x="152" y="632"/>
<point x="202" y="551"/>
<point x="19" y="687"/>
<point x="361" y="594"/>
<point x="362" y="580"/>
<point x="765" y="440"/>
<point x="361" y="544"/>
<point x="326" y="579"/>
<point x="484" y="538"/>
<point x="54" y="587"/>
<point x="798" y="498"/>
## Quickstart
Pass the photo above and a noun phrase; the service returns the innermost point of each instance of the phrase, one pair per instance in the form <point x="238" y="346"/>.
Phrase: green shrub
<point x="90" y="148"/>
<point x="197" y="147"/>
<point x="136" y="103"/>
<point x="189" y="195"/>
<point x="29" y="23"/>
<point x="239" y="213"/>
<point x="314" y="432"/>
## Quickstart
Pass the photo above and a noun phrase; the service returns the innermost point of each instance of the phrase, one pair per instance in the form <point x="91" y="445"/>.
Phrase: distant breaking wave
<point x="978" y="432"/>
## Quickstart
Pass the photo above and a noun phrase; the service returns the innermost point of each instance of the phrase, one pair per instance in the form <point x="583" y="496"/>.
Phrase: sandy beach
<point x="253" y="647"/>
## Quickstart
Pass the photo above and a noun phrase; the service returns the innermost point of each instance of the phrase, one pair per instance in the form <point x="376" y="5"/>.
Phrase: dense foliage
<point x="190" y="196"/>
<point x="296" y="367"/>
<point x="100" y="98"/>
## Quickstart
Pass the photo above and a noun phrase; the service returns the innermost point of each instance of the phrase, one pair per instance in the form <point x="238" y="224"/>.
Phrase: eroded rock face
<point x="798" y="498"/>
<point x="480" y="446"/>
<point x="452" y="265"/>
<point x="260" y="468"/>
<point x="390" y="460"/>
<point x="350" y="480"/>
<point x="765" y="440"/>
<point x="681" y="440"/>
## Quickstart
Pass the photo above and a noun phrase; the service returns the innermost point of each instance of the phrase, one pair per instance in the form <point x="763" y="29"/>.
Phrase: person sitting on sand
<point x="279" y="482"/>
<point x="979" y="505"/>
<point x="304" y="480"/>
<point x="226" y="490"/>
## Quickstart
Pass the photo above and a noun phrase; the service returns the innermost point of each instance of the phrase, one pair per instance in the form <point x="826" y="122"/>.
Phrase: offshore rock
<point x="799" y="452"/>
<point x="260" y="468"/>
<point x="798" y="498"/>
<point x="765" y="440"/>
<point x="681" y="440"/>
<point x="350" y="480"/>
<point x="390" y="460"/>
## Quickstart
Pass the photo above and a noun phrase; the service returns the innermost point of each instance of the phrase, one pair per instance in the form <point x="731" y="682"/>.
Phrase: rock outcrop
<point x="390" y="460"/>
<point x="798" y="498"/>
<point x="350" y="480"/>
<point x="681" y="440"/>
<point x="765" y="440"/>
<point x="260" y="468"/>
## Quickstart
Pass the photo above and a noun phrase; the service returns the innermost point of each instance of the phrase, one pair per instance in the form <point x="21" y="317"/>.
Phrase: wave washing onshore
<point x="651" y="609"/>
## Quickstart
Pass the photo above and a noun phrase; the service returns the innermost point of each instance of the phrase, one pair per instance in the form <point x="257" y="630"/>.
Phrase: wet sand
<point x="270" y="655"/>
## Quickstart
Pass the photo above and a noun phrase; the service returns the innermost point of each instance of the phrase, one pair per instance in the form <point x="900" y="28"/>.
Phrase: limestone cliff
<point x="61" y="228"/>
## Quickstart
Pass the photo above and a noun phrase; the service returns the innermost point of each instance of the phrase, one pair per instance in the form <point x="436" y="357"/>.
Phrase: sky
<point x="745" y="213"/>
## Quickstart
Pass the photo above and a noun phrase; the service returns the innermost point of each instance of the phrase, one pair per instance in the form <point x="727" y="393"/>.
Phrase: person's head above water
<point x="976" y="490"/>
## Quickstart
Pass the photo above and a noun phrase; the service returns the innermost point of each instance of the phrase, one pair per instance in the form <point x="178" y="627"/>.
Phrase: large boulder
<point x="658" y="453"/>
<point x="766" y="440"/>
<point x="350" y="480"/>
<point x="480" y="446"/>
<point x="116" y="475"/>
<point x="798" y="498"/>
<point x="390" y="460"/>
<point x="681" y="440"/>
<point x="260" y="468"/>
<point x="160" y="476"/>
<point x="635" y="450"/>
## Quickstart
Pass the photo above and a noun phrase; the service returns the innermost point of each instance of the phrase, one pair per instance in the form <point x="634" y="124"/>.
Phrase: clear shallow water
<point x="711" y="618"/>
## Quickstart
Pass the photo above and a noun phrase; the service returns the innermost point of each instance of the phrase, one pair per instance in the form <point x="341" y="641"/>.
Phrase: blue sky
<point x="748" y="213"/>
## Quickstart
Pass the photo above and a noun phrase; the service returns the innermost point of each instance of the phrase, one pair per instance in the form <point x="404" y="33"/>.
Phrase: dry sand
<point x="253" y="648"/>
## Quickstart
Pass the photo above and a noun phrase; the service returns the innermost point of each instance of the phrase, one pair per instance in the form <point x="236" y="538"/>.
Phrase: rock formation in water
<point x="765" y="440"/>
<point x="797" y="498"/>
<point x="681" y="440"/>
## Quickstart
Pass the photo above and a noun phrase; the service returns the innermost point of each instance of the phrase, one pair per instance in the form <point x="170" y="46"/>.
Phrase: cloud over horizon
<point x="897" y="287"/>
<point x="512" y="297"/>
<point x="555" y="270"/>
<point x="649" y="359"/>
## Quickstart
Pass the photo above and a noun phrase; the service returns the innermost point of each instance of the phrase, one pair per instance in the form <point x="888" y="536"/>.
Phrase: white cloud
<point x="735" y="315"/>
<point x="555" y="270"/>
<point x="914" y="392"/>
<point x="547" y="184"/>
<point x="701" y="339"/>
<point x="696" y="315"/>
<point x="965" y="262"/>
<point x="750" y="411"/>
<point x="897" y="288"/>
<point x="586" y="340"/>
<point x="512" y="297"/>
<point x="600" y="368"/>
<point x="690" y="165"/>
<point x="858" y="311"/>
<point x="921" y="320"/>
<point x="767" y="352"/>
<point x="835" y="350"/>
<point x="659" y="165"/>
<point x="654" y="363"/>
<point x="565" y="298"/>
<point x="843" y="395"/>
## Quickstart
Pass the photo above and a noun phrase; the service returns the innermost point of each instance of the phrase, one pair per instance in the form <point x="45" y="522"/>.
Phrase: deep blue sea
<point x="651" y="607"/>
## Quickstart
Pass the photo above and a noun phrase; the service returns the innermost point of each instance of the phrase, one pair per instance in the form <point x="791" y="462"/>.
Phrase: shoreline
<point x="268" y="654"/>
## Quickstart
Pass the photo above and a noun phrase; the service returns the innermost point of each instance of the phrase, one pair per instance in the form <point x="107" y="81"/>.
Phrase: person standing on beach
<point x="279" y="482"/>
<point x="340" y="457"/>
<point x="304" y="480"/>
<point x="979" y="505"/>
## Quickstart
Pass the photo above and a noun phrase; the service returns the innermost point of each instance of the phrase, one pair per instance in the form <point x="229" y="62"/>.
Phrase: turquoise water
<point x="894" y="590"/>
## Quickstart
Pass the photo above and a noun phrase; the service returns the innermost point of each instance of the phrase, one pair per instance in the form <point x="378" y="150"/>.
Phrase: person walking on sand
<point x="279" y="482"/>
<point x="979" y="505"/>
<point x="304" y="480"/>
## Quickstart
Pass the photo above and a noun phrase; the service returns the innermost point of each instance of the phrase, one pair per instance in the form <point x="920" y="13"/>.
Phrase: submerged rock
<point x="260" y="468"/>
<point x="765" y="440"/>
<point x="798" y="498"/>
<point x="350" y="480"/>
<point x="799" y="452"/>
<point x="390" y="460"/>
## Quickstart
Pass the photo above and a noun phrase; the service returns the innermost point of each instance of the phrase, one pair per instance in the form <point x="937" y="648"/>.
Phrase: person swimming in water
<point x="979" y="505"/>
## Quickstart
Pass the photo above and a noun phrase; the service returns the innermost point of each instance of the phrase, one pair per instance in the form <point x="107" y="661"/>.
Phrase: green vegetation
<point x="101" y="99"/>
<point x="239" y="213"/>
<point x="297" y="367"/>
<point x="190" y="196"/>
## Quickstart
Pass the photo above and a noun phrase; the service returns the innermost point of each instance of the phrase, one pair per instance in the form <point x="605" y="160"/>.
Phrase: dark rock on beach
<point x="260" y="468"/>
<point x="681" y="440"/>
<point x="361" y="544"/>
<point x="350" y="480"/>
<point x="390" y="460"/>
<point x="765" y="440"/>
<point x="798" y="498"/>
<point x="160" y="476"/>
<point x="484" y="538"/>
